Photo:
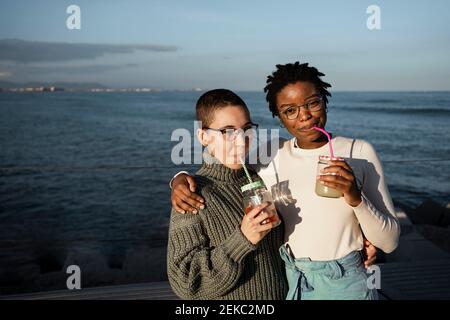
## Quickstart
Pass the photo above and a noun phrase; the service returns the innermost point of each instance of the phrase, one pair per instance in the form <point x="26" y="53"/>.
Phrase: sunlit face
<point x="301" y="93"/>
<point x="231" y="147"/>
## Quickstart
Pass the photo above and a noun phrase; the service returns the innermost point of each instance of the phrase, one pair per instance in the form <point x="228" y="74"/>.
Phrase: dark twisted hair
<point x="291" y="73"/>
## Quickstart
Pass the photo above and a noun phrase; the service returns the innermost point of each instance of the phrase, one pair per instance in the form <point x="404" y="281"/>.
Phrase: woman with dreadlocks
<point x="324" y="237"/>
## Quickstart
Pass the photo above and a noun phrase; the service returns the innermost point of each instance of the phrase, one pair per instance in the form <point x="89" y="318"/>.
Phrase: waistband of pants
<point x="301" y="268"/>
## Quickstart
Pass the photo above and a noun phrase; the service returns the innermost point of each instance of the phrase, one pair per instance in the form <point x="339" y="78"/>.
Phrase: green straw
<point x="246" y="171"/>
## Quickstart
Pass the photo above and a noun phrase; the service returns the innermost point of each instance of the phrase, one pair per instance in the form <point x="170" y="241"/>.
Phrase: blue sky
<point x="234" y="44"/>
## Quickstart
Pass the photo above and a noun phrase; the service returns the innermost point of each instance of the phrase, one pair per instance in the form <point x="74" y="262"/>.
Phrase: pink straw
<point x="328" y="137"/>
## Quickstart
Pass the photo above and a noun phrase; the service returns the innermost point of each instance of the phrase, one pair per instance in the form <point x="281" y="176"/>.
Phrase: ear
<point x="202" y="136"/>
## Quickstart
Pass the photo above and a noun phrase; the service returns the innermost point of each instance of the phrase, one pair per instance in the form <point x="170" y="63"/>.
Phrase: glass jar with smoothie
<point x="322" y="190"/>
<point x="255" y="193"/>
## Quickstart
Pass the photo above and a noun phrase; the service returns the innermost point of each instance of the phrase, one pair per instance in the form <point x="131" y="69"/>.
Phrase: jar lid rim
<point x="253" y="185"/>
<point x="329" y="158"/>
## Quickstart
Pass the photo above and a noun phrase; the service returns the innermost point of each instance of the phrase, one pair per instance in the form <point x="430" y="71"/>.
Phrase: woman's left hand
<point x="341" y="179"/>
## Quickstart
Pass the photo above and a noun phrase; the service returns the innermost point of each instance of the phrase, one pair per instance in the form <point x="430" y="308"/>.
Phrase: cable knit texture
<point x="208" y="255"/>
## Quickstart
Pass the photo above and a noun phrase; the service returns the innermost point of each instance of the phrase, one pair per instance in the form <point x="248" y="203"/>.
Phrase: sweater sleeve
<point x="197" y="270"/>
<point x="376" y="213"/>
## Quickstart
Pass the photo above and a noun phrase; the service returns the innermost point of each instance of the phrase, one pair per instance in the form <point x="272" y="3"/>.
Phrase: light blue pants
<point x="341" y="279"/>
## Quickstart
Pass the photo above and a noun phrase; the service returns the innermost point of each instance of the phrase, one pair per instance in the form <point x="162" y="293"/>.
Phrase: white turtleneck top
<point x="322" y="228"/>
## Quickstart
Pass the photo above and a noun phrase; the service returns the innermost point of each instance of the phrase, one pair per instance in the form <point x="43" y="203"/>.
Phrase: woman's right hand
<point x="183" y="196"/>
<point x="251" y="225"/>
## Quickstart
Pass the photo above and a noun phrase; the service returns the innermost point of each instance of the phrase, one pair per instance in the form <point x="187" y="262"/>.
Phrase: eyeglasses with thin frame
<point x="231" y="133"/>
<point x="291" y="112"/>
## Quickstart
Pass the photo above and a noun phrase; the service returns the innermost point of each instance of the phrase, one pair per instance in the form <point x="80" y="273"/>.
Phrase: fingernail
<point x="322" y="182"/>
<point x="182" y="212"/>
<point x="194" y="211"/>
<point x="202" y="207"/>
<point x="201" y="200"/>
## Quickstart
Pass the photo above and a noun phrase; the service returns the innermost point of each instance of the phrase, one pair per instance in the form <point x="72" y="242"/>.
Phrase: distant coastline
<point x="6" y="86"/>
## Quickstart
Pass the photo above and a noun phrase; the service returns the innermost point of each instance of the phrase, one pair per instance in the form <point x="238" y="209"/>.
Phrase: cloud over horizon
<point x="23" y="51"/>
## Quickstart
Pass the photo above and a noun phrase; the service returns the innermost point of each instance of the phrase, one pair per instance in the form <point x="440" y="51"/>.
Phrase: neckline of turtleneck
<point x="214" y="169"/>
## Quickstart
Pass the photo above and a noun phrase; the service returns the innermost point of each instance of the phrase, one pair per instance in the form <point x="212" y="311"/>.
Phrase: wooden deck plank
<point x="141" y="291"/>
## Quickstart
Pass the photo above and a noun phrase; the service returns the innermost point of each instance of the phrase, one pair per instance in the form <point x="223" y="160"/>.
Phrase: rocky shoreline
<point x="425" y="233"/>
<point x="432" y="221"/>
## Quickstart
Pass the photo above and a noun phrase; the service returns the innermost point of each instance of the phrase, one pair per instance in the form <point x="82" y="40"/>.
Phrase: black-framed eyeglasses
<point x="231" y="133"/>
<point x="291" y="112"/>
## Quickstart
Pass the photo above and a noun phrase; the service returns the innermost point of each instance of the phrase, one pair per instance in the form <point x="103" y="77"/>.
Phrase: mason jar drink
<point x="255" y="194"/>
<point x="322" y="190"/>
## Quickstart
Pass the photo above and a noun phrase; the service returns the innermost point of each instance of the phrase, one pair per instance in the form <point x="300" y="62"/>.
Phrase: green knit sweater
<point x="208" y="255"/>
